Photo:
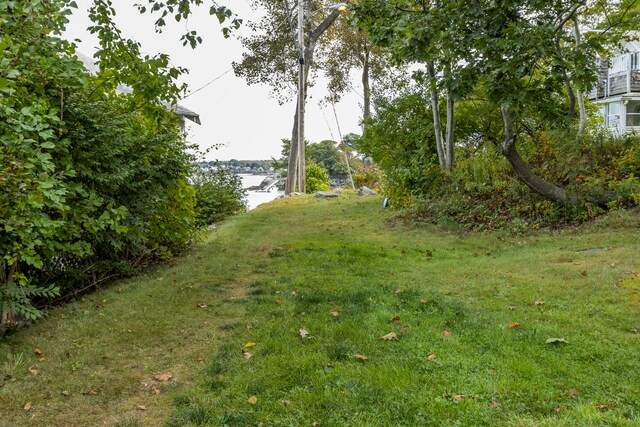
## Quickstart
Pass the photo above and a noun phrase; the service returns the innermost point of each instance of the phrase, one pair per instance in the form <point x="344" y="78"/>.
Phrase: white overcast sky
<point x="244" y="118"/>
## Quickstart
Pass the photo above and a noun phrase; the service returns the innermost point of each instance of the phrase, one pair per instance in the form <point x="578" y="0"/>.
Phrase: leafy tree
<point x="512" y="49"/>
<point x="327" y="154"/>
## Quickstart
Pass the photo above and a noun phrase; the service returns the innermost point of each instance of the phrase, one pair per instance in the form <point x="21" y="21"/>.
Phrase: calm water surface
<point x="256" y="198"/>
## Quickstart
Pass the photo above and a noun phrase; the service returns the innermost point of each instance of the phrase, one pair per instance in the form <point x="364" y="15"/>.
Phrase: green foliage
<point x="327" y="155"/>
<point x="400" y="140"/>
<point x="370" y="176"/>
<point x="219" y="194"/>
<point x="317" y="178"/>
<point x="94" y="183"/>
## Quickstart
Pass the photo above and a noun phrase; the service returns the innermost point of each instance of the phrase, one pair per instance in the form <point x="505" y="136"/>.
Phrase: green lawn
<point x="471" y="314"/>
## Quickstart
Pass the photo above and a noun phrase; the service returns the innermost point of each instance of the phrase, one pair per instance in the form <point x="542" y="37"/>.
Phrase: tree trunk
<point x="534" y="182"/>
<point x="366" y="85"/>
<point x="583" y="113"/>
<point x="572" y="96"/>
<point x="5" y="315"/>
<point x="437" y="125"/>
<point x="296" y="156"/>
<point x="449" y="154"/>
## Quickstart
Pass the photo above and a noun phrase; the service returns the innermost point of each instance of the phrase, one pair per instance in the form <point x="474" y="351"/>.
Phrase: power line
<point x="212" y="81"/>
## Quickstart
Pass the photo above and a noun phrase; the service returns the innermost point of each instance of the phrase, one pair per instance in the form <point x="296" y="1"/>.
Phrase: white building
<point x="618" y="91"/>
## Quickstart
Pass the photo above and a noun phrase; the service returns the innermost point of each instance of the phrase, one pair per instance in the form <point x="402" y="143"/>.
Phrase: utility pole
<point x="302" y="178"/>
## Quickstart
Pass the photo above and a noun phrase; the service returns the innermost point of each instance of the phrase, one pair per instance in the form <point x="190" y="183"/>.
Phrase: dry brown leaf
<point x="494" y="404"/>
<point x="141" y="408"/>
<point x="390" y="336"/>
<point x="41" y="359"/>
<point x="202" y="305"/>
<point x="303" y="333"/>
<point x="583" y="273"/>
<point x="164" y="377"/>
<point x="315" y="424"/>
<point x="343" y="393"/>
<point x="512" y="307"/>
<point x="27" y="406"/>
<point x="293" y="293"/>
<point x="557" y="410"/>
<point x="424" y="301"/>
<point x="431" y="357"/>
<point x="38" y="352"/>
<point x="514" y="325"/>
<point x="278" y="292"/>
<point x="253" y="400"/>
<point x="604" y="406"/>
<point x="459" y="397"/>
<point x="155" y="390"/>
<point x="447" y="333"/>
<point x="399" y="291"/>
<point x="334" y="314"/>
<point x="538" y="303"/>
<point x="405" y="328"/>
<point x="33" y="370"/>
<point x="395" y="319"/>
<point x="286" y="402"/>
<point x="278" y="301"/>
<point x="249" y="344"/>
<point x="360" y="357"/>
<point x="247" y="355"/>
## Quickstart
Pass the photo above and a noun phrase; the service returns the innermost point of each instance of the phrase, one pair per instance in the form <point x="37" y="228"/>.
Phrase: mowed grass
<point x="347" y="273"/>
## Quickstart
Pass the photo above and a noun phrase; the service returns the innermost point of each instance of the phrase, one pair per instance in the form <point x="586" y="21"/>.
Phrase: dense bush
<point x="482" y="191"/>
<point x="317" y="178"/>
<point x="219" y="194"/>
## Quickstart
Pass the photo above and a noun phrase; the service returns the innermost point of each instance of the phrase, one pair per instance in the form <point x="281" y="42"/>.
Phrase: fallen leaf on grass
<point x="514" y="325"/>
<point x="91" y="392"/>
<point x="399" y="291"/>
<point x="390" y="336"/>
<point x="395" y="319"/>
<point x="360" y="357"/>
<point x="604" y="406"/>
<point x="343" y="393"/>
<point x="538" y="303"/>
<point x="155" y="390"/>
<point x="33" y="370"/>
<point x="303" y="333"/>
<point x="164" y="377"/>
<point x="202" y="305"/>
<point x="557" y="410"/>
<point x="556" y="341"/>
<point x="570" y="392"/>
<point x="512" y="307"/>
<point x="293" y="293"/>
<point x="278" y="292"/>
<point x="334" y="314"/>
<point x="405" y="328"/>
<point x="583" y="273"/>
<point x="315" y="424"/>
<point x="278" y="301"/>
<point x="431" y="357"/>
<point x="247" y="355"/>
<point x="286" y="402"/>
<point x="41" y="359"/>
<point x="447" y="333"/>
<point x="38" y="352"/>
<point x="249" y="344"/>
<point x="253" y="400"/>
<point x="494" y="404"/>
<point x="27" y="406"/>
<point x="459" y="397"/>
<point x="424" y="301"/>
<point x="141" y="408"/>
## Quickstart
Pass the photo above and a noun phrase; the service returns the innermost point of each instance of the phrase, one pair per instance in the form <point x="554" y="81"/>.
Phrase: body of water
<point x="256" y="198"/>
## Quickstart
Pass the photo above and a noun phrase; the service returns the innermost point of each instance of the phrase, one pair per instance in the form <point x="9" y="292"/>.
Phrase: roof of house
<point x="179" y="110"/>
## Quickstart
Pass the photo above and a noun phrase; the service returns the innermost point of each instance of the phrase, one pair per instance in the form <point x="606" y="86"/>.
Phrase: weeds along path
<point x="326" y="311"/>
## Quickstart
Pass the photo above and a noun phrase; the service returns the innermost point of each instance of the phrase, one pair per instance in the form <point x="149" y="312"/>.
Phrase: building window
<point x="613" y="117"/>
<point x="633" y="113"/>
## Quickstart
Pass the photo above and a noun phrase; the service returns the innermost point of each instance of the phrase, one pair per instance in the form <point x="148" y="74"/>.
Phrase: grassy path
<point x="261" y="325"/>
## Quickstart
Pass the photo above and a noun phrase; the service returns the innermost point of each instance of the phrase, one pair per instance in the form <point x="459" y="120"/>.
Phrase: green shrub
<point x="317" y="178"/>
<point x="219" y="194"/>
